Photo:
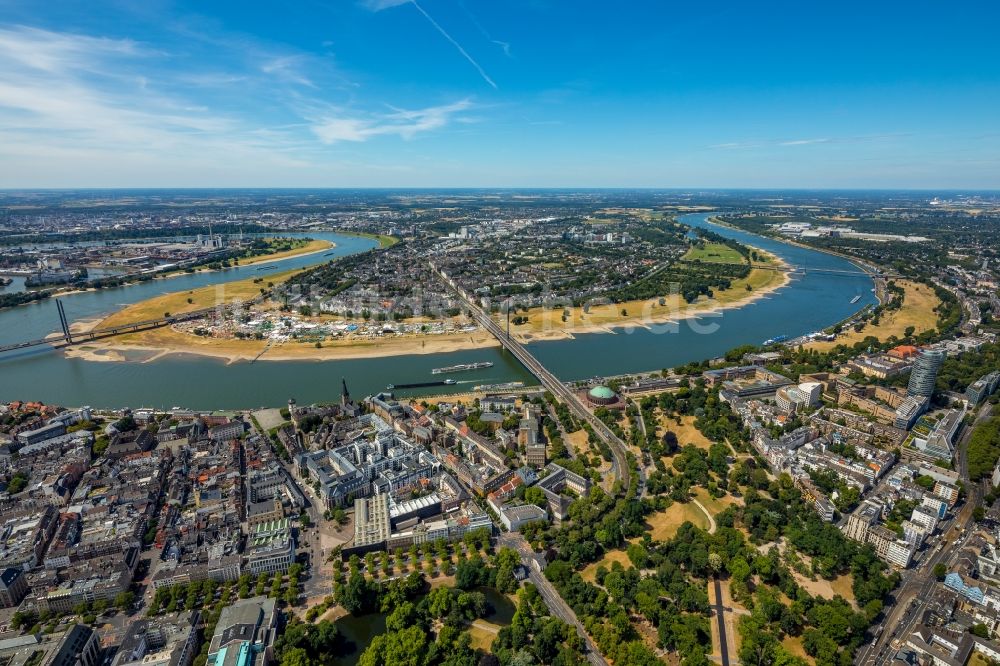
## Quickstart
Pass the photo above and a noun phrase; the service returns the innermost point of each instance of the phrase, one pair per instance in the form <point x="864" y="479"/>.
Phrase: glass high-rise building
<point x="925" y="371"/>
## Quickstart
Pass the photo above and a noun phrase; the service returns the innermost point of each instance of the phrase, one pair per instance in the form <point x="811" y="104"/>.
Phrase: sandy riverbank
<point x="769" y="277"/>
<point x="542" y="324"/>
<point x="604" y="320"/>
<point x="312" y="247"/>
<point x="164" y="342"/>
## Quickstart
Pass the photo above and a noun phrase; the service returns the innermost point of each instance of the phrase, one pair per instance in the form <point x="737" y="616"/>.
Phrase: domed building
<point x="601" y="396"/>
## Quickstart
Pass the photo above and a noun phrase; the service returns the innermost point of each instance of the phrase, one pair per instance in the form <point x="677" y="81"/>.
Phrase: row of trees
<point x="359" y="593"/>
<point x="22" y="297"/>
<point x="984" y="449"/>
<point x="87" y="612"/>
<point x="199" y="595"/>
<point x="473" y="542"/>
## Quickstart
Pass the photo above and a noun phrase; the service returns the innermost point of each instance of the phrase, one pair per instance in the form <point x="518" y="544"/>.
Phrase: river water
<point x="16" y="286"/>
<point x="807" y="303"/>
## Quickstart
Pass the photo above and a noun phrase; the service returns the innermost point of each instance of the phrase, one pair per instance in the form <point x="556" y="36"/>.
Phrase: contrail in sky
<point x="482" y="72"/>
<point x="505" y="46"/>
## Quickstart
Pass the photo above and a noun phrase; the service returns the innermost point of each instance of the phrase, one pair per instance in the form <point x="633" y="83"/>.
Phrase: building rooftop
<point x="602" y="393"/>
<point x="241" y="621"/>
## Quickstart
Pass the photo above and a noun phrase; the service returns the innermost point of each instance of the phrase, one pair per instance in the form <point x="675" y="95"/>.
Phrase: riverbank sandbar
<point x="166" y="341"/>
<point x="766" y="276"/>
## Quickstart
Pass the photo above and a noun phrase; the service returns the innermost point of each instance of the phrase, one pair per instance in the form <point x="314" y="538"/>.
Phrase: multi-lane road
<point x="556" y="604"/>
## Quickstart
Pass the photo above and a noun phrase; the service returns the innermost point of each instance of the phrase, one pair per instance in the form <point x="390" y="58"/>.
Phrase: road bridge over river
<point x="551" y="383"/>
<point x="66" y="338"/>
<point x="619" y="454"/>
<point x="802" y="270"/>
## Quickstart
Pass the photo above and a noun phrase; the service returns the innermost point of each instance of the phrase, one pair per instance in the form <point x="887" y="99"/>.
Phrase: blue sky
<point x="382" y="93"/>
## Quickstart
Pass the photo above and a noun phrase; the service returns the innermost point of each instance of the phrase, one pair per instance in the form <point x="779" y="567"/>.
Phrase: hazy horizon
<point x="511" y="188"/>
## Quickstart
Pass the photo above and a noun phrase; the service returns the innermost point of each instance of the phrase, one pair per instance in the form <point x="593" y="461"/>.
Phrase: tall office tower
<point x="925" y="371"/>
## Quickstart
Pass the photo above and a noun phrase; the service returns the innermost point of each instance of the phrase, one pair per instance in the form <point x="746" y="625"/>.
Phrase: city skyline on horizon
<point x="436" y="94"/>
<point x="692" y="190"/>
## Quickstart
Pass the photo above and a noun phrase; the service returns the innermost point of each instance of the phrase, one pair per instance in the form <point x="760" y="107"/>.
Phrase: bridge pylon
<point x="63" y="322"/>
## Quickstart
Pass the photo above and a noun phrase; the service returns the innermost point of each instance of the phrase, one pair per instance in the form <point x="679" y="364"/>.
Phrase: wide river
<point x="807" y="303"/>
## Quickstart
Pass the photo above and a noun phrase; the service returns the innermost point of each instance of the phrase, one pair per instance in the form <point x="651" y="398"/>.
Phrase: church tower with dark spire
<point x="345" y="396"/>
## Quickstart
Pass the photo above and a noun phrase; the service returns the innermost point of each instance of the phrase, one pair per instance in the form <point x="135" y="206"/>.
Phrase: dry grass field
<point x="827" y="588"/>
<point x="590" y="572"/>
<point x="794" y="646"/>
<point x="578" y="440"/>
<point x="482" y="634"/>
<point x="917" y="311"/>
<point x="308" y="248"/>
<point x="686" y="432"/>
<point x="663" y="525"/>
<point x="204" y="297"/>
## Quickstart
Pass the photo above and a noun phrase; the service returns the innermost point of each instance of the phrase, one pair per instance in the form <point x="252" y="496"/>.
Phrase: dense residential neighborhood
<point x="826" y="497"/>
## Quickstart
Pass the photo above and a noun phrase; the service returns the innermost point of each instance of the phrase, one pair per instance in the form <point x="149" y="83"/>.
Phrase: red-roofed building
<point x="507" y="490"/>
<point x="903" y="352"/>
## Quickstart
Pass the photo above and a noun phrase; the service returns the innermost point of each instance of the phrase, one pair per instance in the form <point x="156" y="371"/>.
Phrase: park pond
<point x="359" y="630"/>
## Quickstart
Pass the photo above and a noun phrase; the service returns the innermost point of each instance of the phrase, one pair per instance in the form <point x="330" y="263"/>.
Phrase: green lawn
<point x="716" y="253"/>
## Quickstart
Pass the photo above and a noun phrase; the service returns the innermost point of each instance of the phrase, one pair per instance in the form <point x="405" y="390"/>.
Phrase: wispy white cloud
<point x="211" y="79"/>
<point x="769" y="143"/>
<point x="77" y="107"/>
<point x="803" y="142"/>
<point x="736" y="145"/>
<point x="334" y="127"/>
<point x="64" y="83"/>
<point x="287" y="68"/>
<point x="54" y="52"/>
